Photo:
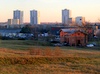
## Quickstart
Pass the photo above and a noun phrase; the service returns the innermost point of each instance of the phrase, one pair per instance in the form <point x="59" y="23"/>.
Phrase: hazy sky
<point x="50" y="10"/>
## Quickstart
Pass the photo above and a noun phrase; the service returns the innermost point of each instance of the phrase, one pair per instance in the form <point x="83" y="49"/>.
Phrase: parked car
<point x="65" y="44"/>
<point x="90" y="45"/>
<point x="58" y="44"/>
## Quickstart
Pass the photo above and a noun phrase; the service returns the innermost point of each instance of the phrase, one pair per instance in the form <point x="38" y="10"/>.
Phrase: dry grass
<point x="49" y="61"/>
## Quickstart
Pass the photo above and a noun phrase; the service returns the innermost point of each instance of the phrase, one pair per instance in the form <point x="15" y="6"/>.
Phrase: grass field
<point x="20" y="44"/>
<point x="15" y="58"/>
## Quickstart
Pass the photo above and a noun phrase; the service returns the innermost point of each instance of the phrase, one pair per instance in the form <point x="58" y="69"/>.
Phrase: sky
<point x="50" y="10"/>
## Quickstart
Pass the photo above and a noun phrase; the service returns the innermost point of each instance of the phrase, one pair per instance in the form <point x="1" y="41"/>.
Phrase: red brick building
<point x="73" y="37"/>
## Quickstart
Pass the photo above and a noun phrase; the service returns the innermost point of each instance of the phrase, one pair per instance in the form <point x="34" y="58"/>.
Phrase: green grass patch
<point x="21" y="44"/>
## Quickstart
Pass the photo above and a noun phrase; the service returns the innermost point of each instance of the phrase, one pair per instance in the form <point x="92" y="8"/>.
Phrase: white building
<point x="71" y="21"/>
<point x="17" y="14"/>
<point x="80" y="20"/>
<point x="34" y="17"/>
<point x="13" y="21"/>
<point x="9" y="21"/>
<point x="65" y="16"/>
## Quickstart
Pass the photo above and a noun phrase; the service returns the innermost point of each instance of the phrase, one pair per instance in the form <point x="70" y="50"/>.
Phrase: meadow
<point x="29" y="57"/>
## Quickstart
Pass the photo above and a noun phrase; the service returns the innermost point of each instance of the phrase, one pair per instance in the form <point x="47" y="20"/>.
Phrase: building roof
<point x="68" y="30"/>
<point x="10" y="30"/>
<point x="71" y="31"/>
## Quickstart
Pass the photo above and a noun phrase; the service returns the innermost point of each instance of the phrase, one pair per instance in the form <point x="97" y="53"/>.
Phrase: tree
<point x="98" y="33"/>
<point x="86" y="28"/>
<point x="26" y="29"/>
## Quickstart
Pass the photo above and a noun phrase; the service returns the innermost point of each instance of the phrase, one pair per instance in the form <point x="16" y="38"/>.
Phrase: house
<point x="73" y="37"/>
<point x="55" y="30"/>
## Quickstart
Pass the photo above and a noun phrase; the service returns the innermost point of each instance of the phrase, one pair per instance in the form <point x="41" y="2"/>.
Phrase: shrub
<point x="35" y="51"/>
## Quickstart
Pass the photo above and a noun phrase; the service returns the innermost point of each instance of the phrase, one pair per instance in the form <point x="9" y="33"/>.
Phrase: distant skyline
<point x="50" y="10"/>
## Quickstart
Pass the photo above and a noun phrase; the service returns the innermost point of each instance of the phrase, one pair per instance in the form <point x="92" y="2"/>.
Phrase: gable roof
<point x="68" y="30"/>
<point x="80" y="31"/>
<point x="71" y="31"/>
